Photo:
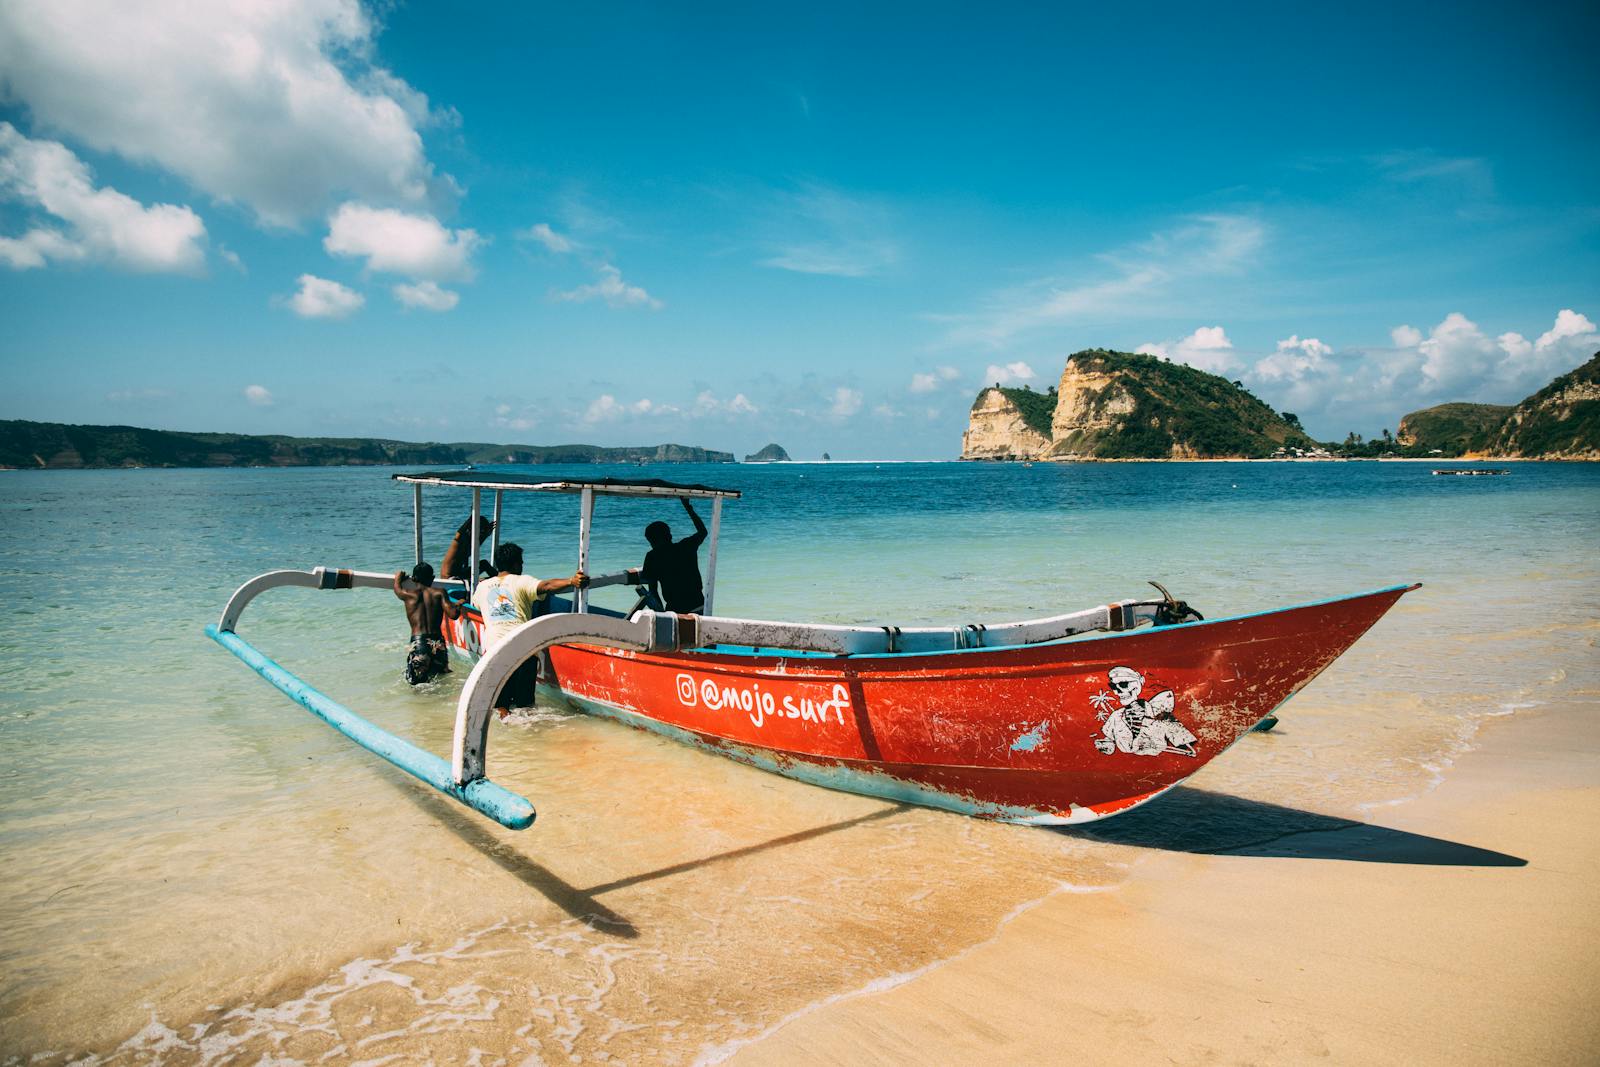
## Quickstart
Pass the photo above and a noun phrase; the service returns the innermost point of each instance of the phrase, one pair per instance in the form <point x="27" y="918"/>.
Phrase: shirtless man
<point x="426" y="610"/>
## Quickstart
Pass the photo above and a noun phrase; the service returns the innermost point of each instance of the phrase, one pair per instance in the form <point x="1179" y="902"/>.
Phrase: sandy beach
<point x="1457" y="928"/>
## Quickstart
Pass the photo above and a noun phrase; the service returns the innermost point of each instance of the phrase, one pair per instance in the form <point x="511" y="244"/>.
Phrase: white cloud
<point x="400" y="243"/>
<point x="543" y="234"/>
<point x="426" y="295"/>
<point x="1514" y="344"/>
<point x="1455" y="353"/>
<point x="319" y="298"/>
<point x="259" y="395"/>
<point x="606" y="408"/>
<point x="1569" y="326"/>
<point x="1015" y="371"/>
<point x="1405" y="336"/>
<point x="707" y="404"/>
<point x="1207" y="349"/>
<point x="885" y="411"/>
<point x="100" y="223"/>
<point x="1294" y="359"/>
<point x="613" y="290"/>
<point x="1153" y="348"/>
<point x="927" y="383"/>
<point x="846" y="402"/>
<point x="1199" y="249"/>
<point x="279" y="106"/>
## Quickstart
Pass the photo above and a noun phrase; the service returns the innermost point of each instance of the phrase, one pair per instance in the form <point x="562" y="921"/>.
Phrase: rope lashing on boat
<point x="891" y="636"/>
<point x="1172" y="610"/>
<point x="971" y="635"/>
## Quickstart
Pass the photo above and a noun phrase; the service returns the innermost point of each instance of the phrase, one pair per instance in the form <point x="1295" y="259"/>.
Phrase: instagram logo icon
<point x="686" y="690"/>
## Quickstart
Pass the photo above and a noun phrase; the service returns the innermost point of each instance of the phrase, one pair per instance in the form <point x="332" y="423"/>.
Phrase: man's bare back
<point x="426" y="610"/>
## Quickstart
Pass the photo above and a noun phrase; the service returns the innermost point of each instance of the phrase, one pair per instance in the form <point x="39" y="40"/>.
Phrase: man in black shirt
<point x="672" y="569"/>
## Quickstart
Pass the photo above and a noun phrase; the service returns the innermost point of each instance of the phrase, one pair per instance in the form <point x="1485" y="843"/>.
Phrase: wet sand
<point x="1458" y="928"/>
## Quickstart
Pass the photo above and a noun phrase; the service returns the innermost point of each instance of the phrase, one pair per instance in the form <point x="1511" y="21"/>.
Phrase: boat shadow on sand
<point x="1216" y="824"/>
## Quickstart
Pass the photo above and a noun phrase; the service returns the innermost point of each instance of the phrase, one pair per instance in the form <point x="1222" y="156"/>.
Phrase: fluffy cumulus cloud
<point x="398" y="242"/>
<point x="844" y="403"/>
<point x="279" y="106"/>
<point x="1207" y="349"/>
<point x="77" y="220"/>
<point x="259" y="395"/>
<point x="1405" y="336"/>
<point x="1005" y="373"/>
<point x="611" y="289"/>
<point x="606" y="408"/>
<point x="319" y="298"/>
<point x="1293" y="360"/>
<point x="1363" y="389"/>
<point x="928" y="382"/>
<point x="426" y="295"/>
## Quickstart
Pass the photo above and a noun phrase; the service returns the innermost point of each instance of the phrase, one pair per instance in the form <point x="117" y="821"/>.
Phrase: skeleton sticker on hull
<point x="1136" y="724"/>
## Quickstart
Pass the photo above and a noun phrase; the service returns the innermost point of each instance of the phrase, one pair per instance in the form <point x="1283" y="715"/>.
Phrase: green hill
<point x="25" y="444"/>
<point x="1451" y="428"/>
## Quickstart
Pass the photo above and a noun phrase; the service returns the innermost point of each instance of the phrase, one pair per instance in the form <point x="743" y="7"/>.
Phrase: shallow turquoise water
<point x="175" y="832"/>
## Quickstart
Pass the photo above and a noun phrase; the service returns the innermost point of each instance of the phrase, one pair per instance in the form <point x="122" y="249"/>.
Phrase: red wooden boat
<point x="1058" y="720"/>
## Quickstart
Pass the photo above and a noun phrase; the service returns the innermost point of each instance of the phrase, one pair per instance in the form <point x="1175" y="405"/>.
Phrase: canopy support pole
<point x="416" y="518"/>
<point x="711" y="556"/>
<point x="494" y="537"/>
<point x="580" y="598"/>
<point x="472" y="560"/>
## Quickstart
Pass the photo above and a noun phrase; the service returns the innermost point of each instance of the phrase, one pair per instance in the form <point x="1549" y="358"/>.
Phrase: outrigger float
<point x="1064" y="719"/>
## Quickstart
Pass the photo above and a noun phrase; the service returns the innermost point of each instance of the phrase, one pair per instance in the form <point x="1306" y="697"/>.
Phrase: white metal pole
<point x="416" y="518"/>
<point x="494" y="538"/>
<point x="580" y="599"/>
<point x="472" y="560"/>
<point x="711" y="557"/>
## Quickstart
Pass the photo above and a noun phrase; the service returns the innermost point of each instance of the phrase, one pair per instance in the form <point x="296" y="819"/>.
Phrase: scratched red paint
<point x="1044" y="731"/>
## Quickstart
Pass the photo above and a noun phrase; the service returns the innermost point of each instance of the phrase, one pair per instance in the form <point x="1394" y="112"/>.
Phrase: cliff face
<point x="1560" y="421"/>
<point x="998" y="429"/>
<point x="1116" y="405"/>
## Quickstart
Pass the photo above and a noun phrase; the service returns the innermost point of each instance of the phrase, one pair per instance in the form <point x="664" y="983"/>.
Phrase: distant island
<point x="773" y="453"/>
<point x="56" y="446"/>
<point x="1119" y="405"/>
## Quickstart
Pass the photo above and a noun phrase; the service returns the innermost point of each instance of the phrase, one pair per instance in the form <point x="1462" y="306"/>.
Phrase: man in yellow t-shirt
<point x="506" y="601"/>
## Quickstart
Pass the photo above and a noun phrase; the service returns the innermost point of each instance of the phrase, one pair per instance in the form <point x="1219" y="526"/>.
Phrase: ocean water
<point x="196" y="871"/>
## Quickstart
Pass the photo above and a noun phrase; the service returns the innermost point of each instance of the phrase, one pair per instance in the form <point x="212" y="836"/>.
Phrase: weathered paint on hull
<point x="1057" y="733"/>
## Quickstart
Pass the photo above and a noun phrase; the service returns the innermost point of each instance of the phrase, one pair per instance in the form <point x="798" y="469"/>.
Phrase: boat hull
<point x="1064" y="732"/>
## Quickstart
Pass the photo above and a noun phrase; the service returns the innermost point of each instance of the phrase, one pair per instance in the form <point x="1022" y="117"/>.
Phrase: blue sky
<point x="824" y="226"/>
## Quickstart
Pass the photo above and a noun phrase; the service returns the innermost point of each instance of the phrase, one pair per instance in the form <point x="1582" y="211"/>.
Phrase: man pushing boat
<point x="426" y="609"/>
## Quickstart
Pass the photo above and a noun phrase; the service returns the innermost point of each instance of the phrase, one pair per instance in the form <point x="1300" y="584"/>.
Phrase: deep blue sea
<point x="197" y="871"/>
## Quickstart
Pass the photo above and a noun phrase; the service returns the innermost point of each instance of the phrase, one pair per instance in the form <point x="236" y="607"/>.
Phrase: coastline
<point x="1418" y="931"/>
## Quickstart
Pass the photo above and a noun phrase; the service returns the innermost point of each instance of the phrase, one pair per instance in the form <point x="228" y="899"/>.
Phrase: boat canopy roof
<point x="506" y="480"/>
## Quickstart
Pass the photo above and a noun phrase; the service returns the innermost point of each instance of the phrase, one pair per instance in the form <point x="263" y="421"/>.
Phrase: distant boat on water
<point x="1472" y="470"/>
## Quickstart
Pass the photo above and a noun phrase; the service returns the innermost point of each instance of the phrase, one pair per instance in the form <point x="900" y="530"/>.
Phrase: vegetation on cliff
<point x="1036" y="409"/>
<point x="58" y="445"/>
<point x="1159" y="410"/>
<point x="1562" y="419"/>
<point x="1451" y="428"/>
